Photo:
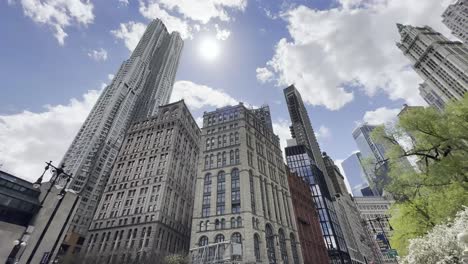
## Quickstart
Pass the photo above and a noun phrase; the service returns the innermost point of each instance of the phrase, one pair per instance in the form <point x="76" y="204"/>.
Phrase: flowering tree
<point x="440" y="245"/>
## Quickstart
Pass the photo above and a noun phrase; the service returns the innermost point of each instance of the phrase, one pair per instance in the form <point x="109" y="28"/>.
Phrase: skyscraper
<point x="441" y="63"/>
<point x="373" y="158"/>
<point x="146" y="209"/>
<point x="335" y="175"/>
<point x="300" y="160"/>
<point x="143" y="82"/>
<point x="455" y="17"/>
<point x="431" y="97"/>
<point x="302" y="130"/>
<point x="242" y="198"/>
<point x="355" y="174"/>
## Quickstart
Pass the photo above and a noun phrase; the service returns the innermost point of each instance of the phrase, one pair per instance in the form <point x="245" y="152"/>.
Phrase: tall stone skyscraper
<point x="302" y="130"/>
<point x="441" y="63"/>
<point x="455" y="17"/>
<point x="243" y="210"/>
<point x="143" y="82"/>
<point x="145" y="212"/>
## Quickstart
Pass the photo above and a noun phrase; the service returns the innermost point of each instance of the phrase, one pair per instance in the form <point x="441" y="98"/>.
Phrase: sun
<point x="209" y="49"/>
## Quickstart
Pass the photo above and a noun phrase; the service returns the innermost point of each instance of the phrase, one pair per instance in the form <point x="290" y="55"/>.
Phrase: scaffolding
<point x="225" y="252"/>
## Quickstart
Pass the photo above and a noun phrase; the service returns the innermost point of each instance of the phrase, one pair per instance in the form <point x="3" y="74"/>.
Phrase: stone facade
<point x="373" y="207"/>
<point x="142" y="83"/>
<point x="455" y="17"/>
<point x="146" y="209"/>
<point x="314" y="250"/>
<point x="440" y="62"/>
<point x="242" y="193"/>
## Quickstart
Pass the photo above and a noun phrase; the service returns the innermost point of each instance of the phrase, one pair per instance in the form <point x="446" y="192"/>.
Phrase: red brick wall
<point x="310" y="236"/>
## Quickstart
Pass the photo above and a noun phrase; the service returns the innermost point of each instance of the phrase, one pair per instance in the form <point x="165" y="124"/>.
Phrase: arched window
<point x="203" y="241"/>
<point x="223" y="223"/>
<point x="206" y="195"/>
<point x="236" y="238"/>
<point x="217" y="224"/>
<point x="224" y="159"/>
<point x="294" y="249"/>
<point x="211" y="161"/>
<point x="239" y="221"/>
<point x="231" y="139"/>
<point x="236" y="135"/>
<point x="257" y="247"/>
<point x="207" y="162"/>
<point x="282" y="242"/>
<point x="224" y="140"/>
<point x="219" y="238"/>
<point x="235" y="191"/>
<point x="219" y="142"/>
<point x="270" y="244"/>
<point x="237" y="158"/>
<point x="233" y="222"/>
<point x="207" y="143"/>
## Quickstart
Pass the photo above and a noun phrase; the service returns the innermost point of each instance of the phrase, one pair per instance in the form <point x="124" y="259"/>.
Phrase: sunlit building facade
<point x="242" y="192"/>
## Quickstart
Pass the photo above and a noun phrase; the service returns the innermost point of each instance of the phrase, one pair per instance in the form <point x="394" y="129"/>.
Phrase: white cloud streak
<point x="197" y="96"/>
<point x="130" y="33"/>
<point x="59" y="14"/>
<point x="98" y="55"/>
<point x="381" y="115"/>
<point x="348" y="47"/>
<point x="222" y="34"/>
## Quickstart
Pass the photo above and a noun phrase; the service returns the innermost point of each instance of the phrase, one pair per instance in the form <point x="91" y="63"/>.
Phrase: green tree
<point x="438" y="141"/>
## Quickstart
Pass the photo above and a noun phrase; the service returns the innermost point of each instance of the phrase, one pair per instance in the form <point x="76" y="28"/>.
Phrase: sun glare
<point x="209" y="49"/>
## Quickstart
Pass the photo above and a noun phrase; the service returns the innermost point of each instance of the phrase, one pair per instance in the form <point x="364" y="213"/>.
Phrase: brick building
<point x="314" y="250"/>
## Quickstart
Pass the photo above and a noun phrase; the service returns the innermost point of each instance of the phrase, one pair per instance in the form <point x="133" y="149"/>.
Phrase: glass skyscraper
<point x="300" y="161"/>
<point x="355" y="174"/>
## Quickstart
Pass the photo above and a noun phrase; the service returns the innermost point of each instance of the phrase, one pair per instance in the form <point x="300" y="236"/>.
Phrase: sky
<point x="57" y="55"/>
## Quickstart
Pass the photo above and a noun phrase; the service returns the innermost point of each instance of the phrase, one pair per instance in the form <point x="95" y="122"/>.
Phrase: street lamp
<point x="59" y="174"/>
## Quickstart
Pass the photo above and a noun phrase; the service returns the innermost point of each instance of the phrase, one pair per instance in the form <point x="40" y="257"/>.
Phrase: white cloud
<point x="123" y="2"/>
<point x="28" y="139"/>
<point x="264" y="75"/>
<point x="281" y="128"/>
<point x="199" y="121"/>
<point x="130" y="33"/>
<point x="151" y="9"/>
<point x="352" y="45"/>
<point x="197" y="96"/>
<point x="98" y="55"/>
<point x="110" y="77"/>
<point x="222" y="34"/>
<point x="59" y="14"/>
<point x="381" y="115"/>
<point x="204" y="10"/>
<point x="323" y="133"/>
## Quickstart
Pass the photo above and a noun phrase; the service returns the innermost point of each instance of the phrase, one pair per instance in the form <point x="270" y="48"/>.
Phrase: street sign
<point x="392" y="253"/>
<point x="45" y="258"/>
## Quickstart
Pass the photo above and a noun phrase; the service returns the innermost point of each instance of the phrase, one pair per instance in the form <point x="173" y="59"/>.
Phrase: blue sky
<point x="341" y="55"/>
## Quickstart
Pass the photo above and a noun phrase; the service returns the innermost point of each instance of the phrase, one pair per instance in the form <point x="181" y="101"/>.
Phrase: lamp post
<point x="59" y="174"/>
<point x="384" y="233"/>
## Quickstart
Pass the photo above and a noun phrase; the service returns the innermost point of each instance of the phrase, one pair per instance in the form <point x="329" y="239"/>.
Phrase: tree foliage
<point x="440" y="245"/>
<point x="438" y="189"/>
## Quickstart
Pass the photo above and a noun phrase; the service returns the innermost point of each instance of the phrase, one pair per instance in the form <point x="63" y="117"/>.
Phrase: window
<point x="237" y="238"/>
<point x="257" y="248"/>
<point x="282" y="242"/>
<point x="235" y="191"/>
<point x="252" y="193"/>
<point x="270" y="243"/>
<point x="206" y="195"/>
<point x="294" y="249"/>
<point x="220" y="238"/>
<point x="203" y="241"/>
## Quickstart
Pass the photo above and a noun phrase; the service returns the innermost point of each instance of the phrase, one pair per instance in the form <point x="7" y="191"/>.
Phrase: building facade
<point x="300" y="160"/>
<point x="374" y="210"/>
<point x="335" y="175"/>
<point x="431" y="97"/>
<point x="302" y="130"/>
<point x="242" y="192"/>
<point x="307" y="219"/>
<point x="441" y="63"/>
<point x="372" y="158"/>
<point x="355" y="175"/>
<point x="146" y="209"/>
<point x="455" y="17"/>
<point x="143" y="82"/>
